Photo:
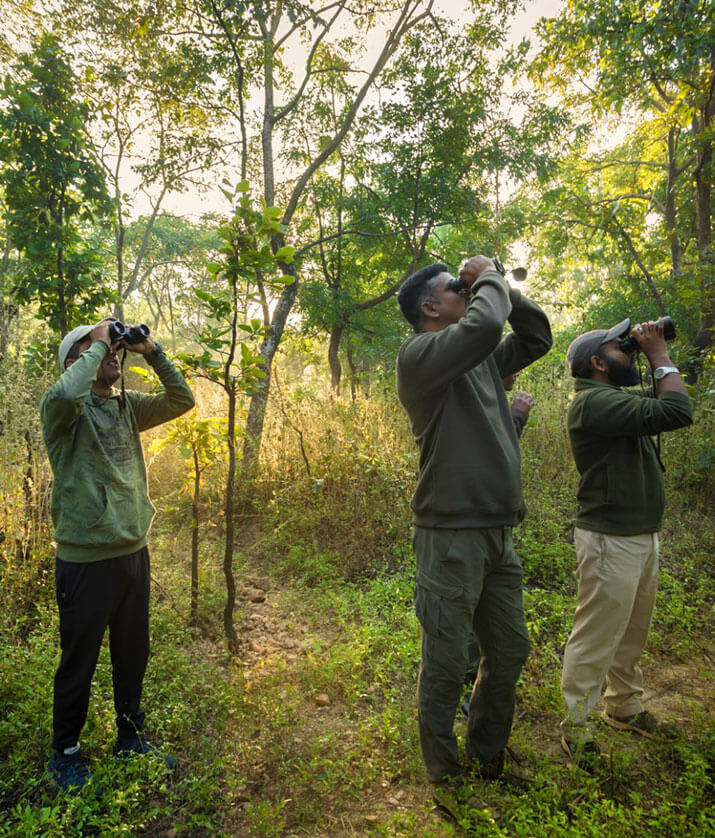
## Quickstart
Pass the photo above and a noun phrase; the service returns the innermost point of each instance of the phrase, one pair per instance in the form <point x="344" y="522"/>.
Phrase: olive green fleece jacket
<point x="100" y="506"/>
<point x="620" y="489"/>
<point x="449" y="382"/>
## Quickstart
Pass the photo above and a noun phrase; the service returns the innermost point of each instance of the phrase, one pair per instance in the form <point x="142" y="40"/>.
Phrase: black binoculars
<point x="629" y="343"/>
<point x="459" y="285"/>
<point x="129" y="334"/>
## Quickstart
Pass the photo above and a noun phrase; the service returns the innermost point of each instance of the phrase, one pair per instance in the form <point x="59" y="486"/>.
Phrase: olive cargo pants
<point x="467" y="579"/>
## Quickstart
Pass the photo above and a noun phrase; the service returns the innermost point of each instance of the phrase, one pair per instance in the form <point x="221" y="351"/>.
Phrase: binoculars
<point x="129" y="334"/>
<point x="459" y="285"/>
<point x="629" y="343"/>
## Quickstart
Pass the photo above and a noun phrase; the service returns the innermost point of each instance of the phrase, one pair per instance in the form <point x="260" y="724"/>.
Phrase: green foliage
<point x="632" y="216"/>
<point x="246" y="268"/>
<point x="54" y="189"/>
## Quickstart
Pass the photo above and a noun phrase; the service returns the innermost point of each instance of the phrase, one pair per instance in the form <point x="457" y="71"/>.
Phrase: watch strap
<point x="661" y="372"/>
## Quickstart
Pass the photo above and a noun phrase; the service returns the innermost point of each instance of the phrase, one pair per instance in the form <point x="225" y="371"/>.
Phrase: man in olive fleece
<point x="620" y="510"/>
<point x="520" y="408"/>
<point x="102" y="514"/>
<point x="467" y="499"/>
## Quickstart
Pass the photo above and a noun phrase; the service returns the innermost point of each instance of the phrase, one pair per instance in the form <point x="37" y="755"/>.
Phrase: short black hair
<point x="415" y="290"/>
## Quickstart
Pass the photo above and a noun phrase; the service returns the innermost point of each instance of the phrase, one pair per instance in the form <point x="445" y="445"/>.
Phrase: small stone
<point x="322" y="700"/>
<point x="171" y="833"/>
<point x="372" y="818"/>
<point x="393" y="801"/>
<point x="400" y="795"/>
<point x="260" y="582"/>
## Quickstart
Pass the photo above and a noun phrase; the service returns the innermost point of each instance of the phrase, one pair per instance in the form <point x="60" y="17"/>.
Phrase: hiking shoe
<point x="71" y="772"/>
<point x="643" y="723"/>
<point x="491" y="770"/>
<point x="139" y="745"/>
<point x="456" y="798"/>
<point x="587" y="755"/>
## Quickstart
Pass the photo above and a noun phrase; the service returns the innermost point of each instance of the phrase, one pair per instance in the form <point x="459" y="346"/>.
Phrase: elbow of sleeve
<point x="492" y="329"/>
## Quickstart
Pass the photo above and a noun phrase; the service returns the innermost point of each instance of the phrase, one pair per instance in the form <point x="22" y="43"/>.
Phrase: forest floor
<point x="278" y="636"/>
<point x="310" y="729"/>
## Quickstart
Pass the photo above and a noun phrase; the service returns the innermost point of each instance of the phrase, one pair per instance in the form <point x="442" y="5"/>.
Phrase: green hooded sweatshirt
<point x="100" y="506"/>
<point x="620" y="489"/>
<point x="449" y="382"/>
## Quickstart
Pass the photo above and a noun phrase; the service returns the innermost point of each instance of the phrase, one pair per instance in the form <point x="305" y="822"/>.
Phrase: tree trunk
<point x="195" y="539"/>
<point x="676" y="250"/>
<point x="259" y="399"/>
<point x="703" y="340"/>
<point x="334" y="357"/>
<point x="229" y="628"/>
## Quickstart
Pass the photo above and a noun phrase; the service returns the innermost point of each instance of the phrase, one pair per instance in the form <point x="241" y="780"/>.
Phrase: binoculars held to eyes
<point x="129" y="334"/>
<point x="459" y="285"/>
<point x="629" y="343"/>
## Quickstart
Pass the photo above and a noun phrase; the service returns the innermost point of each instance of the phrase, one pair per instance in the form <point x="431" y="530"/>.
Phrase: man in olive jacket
<point x="620" y="510"/>
<point x="468" y="497"/>
<point x="102" y="514"/>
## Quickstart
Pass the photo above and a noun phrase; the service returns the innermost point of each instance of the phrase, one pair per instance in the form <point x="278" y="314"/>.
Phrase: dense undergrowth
<point x="311" y="729"/>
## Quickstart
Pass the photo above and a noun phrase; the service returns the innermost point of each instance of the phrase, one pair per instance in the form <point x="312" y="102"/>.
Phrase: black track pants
<point x="92" y="596"/>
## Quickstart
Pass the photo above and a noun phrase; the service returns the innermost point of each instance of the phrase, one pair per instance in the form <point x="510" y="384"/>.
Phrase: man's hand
<point x="649" y="336"/>
<point x="143" y="347"/>
<point x="523" y="403"/>
<point x="101" y="332"/>
<point x="473" y="268"/>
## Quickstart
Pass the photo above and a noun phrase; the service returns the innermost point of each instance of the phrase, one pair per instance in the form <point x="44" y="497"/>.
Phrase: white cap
<point x="69" y="340"/>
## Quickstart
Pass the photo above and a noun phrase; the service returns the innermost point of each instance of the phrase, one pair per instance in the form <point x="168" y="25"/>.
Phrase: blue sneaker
<point x="71" y="772"/>
<point x="139" y="745"/>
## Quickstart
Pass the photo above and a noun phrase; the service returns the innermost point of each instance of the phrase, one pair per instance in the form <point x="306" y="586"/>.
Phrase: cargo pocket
<point x="436" y="605"/>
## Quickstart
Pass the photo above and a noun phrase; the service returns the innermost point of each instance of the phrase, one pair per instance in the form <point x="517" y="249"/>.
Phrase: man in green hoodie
<point x="620" y="510"/>
<point x="102" y="514"/>
<point x="468" y="498"/>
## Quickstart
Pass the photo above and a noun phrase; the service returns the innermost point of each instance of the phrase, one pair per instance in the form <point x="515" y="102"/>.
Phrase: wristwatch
<point x="661" y="372"/>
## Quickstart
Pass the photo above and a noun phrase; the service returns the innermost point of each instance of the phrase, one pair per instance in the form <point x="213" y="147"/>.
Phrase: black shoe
<point x="456" y="798"/>
<point x="587" y="755"/>
<point x="71" y="772"/>
<point x="491" y="770"/>
<point x="139" y="745"/>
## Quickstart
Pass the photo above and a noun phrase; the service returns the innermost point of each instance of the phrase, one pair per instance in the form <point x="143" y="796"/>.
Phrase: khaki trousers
<point x="617" y="584"/>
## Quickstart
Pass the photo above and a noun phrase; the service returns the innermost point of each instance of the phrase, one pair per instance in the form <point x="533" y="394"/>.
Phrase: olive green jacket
<point x="100" y="506"/>
<point x="449" y="382"/>
<point x="620" y="488"/>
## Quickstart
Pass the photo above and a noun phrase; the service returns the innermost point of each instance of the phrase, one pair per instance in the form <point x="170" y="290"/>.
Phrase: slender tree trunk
<point x="61" y="302"/>
<point x="676" y="250"/>
<point x="229" y="628"/>
<point x="195" y="538"/>
<point x="259" y="399"/>
<point x="119" y="238"/>
<point x="334" y="357"/>
<point x="172" y="327"/>
<point x="703" y="340"/>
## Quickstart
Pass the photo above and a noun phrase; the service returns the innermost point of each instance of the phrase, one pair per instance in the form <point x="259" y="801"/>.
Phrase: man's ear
<point x="597" y="364"/>
<point x="429" y="309"/>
